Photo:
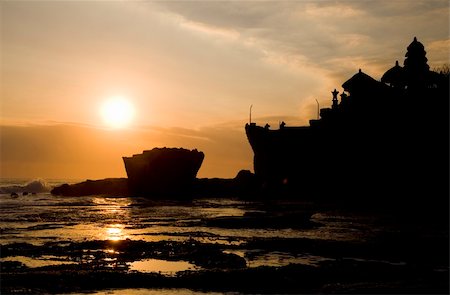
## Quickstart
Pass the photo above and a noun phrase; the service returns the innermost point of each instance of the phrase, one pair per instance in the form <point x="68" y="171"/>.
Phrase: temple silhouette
<point x="385" y="138"/>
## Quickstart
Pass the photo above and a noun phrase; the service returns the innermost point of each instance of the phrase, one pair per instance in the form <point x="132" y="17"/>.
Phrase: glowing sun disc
<point x="117" y="112"/>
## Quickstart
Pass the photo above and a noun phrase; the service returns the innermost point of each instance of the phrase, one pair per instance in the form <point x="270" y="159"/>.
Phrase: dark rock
<point x="12" y="266"/>
<point x="109" y="186"/>
<point x="163" y="171"/>
<point x="244" y="185"/>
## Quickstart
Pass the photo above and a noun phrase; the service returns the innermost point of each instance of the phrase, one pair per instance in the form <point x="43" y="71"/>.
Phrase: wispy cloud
<point x="440" y="50"/>
<point x="222" y="33"/>
<point x="332" y="10"/>
<point x="306" y="34"/>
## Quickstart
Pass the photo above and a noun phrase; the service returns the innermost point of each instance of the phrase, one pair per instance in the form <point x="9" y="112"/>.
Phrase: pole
<point x="318" y="108"/>
<point x="251" y="113"/>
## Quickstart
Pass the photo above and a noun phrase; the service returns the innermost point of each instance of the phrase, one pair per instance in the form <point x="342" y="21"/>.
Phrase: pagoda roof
<point x="415" y="46"/>
<point x="358" y="81"/>
<point x="394" y="75"/>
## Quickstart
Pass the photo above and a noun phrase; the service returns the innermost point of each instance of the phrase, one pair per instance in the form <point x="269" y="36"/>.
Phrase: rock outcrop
<point x="163" y="171"/>
<point x="108" y="186"/>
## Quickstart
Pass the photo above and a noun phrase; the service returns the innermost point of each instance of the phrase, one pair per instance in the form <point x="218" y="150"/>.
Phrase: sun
<point x="117" y="112"/>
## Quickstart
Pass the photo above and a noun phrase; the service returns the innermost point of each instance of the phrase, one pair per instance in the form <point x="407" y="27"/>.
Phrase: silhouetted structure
<point x="384" y="138"/>
<point x="163" y="171"/>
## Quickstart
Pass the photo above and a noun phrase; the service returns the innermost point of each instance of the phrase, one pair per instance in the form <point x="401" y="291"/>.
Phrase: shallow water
<point x="170" y="237"/>
<point x="44" y="260"/>
<point x="37" y="218"/>
<point x="41" y="218"/>
<point x="161" y="266"/>
<point x="144" y="291"/>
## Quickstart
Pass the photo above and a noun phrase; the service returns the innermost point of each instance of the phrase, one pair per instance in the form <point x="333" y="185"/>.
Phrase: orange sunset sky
<point x="186" y="73"/>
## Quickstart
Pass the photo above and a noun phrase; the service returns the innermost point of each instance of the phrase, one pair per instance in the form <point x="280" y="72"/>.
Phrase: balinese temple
<point x="364" y="98"/>
<point x="415" y="73"/>
<point x="376" y="134"/>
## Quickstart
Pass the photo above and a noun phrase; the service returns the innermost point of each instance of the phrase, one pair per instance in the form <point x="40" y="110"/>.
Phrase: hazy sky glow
<point x="190" y="69"/>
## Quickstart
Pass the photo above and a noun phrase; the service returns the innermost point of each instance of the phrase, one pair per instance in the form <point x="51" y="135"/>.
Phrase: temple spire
<point x="415" y="64"/>
<point x="335" y="99"/>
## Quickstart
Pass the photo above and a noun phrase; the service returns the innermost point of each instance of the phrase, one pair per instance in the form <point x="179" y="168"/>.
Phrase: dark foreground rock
<point x="163" y="171"/>
<point x="357" y="278"/>
<point x="108" y="186"/>
<point x="243" y="185"/>
<point x="220" y="272"/>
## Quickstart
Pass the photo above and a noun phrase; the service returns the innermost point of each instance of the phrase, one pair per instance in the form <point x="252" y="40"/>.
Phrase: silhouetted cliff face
<point x="385" y="139"/>
<point x="163" y="171"/>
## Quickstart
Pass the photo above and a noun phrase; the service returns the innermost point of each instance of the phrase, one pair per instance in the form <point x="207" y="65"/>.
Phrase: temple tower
<point x="415" y="65"/>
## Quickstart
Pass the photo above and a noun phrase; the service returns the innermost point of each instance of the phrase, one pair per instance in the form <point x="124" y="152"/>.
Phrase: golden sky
<point x="191" y="69"/>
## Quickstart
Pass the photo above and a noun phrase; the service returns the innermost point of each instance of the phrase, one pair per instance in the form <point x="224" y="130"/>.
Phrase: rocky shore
<point x="351" y="267"/>
<point x="108" y="186"/>
<point x="270" y="246"/>
<point x="244" y="184"/>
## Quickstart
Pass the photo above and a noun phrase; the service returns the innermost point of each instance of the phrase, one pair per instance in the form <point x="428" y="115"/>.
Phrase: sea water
<point x="30" y="214"/>
<point x="35" y="216"/>
<point x="40" y="216"/>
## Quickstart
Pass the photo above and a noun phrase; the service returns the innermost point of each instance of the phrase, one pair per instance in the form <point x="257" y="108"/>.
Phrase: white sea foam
<point x="34" y="186"/>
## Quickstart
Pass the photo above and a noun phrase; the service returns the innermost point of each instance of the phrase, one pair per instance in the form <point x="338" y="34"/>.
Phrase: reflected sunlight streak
<point x="115" y="210"/>
<point x="115" y="232"/>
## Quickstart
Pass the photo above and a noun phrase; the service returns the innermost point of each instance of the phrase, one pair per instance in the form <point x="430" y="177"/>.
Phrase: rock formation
<point x="163" y="171"/>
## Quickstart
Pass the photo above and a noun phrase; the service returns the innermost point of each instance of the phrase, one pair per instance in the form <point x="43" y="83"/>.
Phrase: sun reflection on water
<point x="115" y="210"/>
<point x="162" y="266"/>
<point x="115" y="232"/>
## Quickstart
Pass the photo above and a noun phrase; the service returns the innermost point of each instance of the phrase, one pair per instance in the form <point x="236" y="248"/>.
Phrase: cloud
<point x="440" y="51"/>
<point x="202" y="62"/>
<point x="211" y="30"/>
<point x="313" y="35"/>
<point x="336" y="11"/>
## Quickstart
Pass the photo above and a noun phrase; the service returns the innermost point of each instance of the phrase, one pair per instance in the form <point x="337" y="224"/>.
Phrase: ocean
<point x="236" y="233"/>
<point x="39" y="217"/>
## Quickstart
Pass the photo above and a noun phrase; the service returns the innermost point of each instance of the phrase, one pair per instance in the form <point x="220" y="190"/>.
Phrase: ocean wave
<point x="34" y="186"/>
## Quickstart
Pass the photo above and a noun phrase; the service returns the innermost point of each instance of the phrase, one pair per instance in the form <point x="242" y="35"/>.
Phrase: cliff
<point x="163" y="171"/>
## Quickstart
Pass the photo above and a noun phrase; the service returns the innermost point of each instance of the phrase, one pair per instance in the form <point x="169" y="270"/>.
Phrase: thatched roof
<point x="359" y="81"/>
<point x="395" y="75"/>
